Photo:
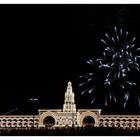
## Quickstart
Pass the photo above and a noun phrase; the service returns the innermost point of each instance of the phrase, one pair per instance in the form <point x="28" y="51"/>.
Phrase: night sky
<point x="42" y="47"/>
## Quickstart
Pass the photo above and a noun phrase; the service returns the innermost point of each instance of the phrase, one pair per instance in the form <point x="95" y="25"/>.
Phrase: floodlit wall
<point x="18" y="121"/>
<point x="69" y="119"/>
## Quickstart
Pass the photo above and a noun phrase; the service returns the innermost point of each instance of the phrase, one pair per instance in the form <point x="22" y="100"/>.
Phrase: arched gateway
<point x="89" y="118"/>
<point x="49" y="121"/>
<point x="88" y="121"/>
<point x="69" y="116"/>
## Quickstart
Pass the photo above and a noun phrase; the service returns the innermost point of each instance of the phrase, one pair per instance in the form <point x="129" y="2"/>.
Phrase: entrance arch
<point x="88" y="121"/>
<point x="90" y="117"/>
<point x="49" y="121"/>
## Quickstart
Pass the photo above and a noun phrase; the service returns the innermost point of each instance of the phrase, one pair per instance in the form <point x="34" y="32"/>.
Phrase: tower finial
<point x="69" y="85"/>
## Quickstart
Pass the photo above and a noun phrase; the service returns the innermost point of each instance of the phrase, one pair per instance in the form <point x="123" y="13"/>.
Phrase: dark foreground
<point x="87" y="131"/>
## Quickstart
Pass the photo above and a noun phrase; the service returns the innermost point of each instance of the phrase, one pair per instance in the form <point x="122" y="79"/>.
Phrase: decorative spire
<point x="69" y="87"/>
<point x="69" y="103"/>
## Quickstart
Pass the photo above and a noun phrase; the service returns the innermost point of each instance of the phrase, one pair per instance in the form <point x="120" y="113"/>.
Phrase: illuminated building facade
<point x="69" y="116"/>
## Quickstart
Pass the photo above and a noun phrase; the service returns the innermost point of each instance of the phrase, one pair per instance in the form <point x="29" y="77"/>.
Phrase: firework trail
<point x="119" y="59"/>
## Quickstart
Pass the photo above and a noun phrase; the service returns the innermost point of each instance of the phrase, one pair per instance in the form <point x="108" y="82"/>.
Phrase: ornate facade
<point x="69" y="116"/>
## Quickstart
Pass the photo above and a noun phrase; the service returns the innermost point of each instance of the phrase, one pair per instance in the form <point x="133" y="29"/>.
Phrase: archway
<point x="88" y="114"/>
<point x="88" y="121"/>
<point x="49" y="121"/>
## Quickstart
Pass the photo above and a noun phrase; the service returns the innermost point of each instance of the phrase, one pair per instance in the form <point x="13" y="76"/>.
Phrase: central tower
<point x="69" y="103"/>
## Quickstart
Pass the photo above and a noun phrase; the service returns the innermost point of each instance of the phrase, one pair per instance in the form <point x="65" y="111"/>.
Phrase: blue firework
<point x="119" y="60"/>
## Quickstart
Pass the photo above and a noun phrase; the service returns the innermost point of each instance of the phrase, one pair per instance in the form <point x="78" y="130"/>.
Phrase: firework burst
<point x="114" y="68"/>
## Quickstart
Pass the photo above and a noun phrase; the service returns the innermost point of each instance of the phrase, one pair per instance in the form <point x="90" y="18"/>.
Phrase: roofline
<point x="50" y="110"/>
<point x="23" y="116"/>
<point x="119" y="116"/>
<point x="89" y="109"/>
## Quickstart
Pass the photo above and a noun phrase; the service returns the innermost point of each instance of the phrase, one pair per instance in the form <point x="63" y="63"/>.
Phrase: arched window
<point x="123" y="120"/>
<point x="129" y="120"/>
<point x="106" y="124"/>
<point x="36" y="120"/>
<point x="118" y="124"/>
<point x="4" y="124"/>
<point x="14" y="124"/>
<point x="20" y="120"/>
<point x="129" y="125"/>
<point x="123" y="124"/>
<point x="106" y="120"/>
<point x="30" y="124"/>
<point x="25" y="124"/>
<point x="112" y="120"/>
<point x="101" y="120"/>
<point x="20" y="124"/>
<point x="135" y="120"/>
<point x="31" y="120"/>
<point x="118" y="120"/>
<point x="14" y="120"/>
<point x="9" y="124"/>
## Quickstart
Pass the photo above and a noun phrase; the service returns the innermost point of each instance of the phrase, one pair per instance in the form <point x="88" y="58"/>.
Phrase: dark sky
<point x="45" y="46"/>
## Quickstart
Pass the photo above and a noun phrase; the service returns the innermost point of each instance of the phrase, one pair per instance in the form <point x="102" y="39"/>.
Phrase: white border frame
<point x="69" y="1"/>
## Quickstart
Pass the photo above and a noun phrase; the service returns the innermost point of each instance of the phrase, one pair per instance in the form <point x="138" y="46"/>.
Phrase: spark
<point x="103" y="41"/>
<point x="126" y="99"/>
